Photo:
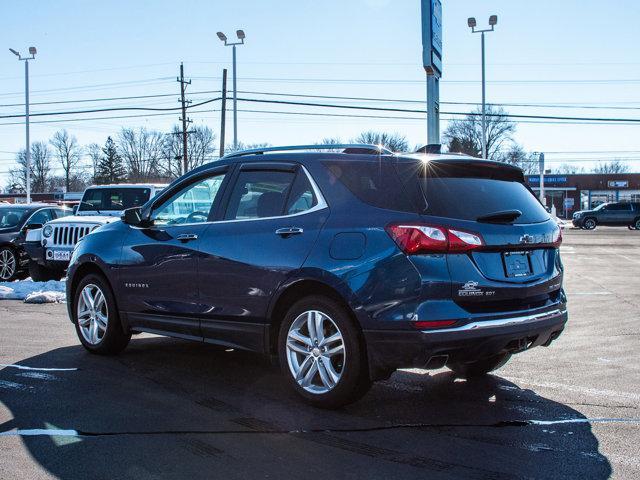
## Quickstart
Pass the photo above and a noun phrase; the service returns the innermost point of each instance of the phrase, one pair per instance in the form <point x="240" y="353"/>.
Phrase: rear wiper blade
<point x="504" y="216"/>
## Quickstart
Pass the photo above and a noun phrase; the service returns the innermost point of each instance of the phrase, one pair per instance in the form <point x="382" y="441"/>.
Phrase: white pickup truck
<point x="50" y="247"/>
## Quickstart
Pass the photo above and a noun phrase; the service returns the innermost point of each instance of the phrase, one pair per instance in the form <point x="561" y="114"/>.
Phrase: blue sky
<point x="565" y="52"/>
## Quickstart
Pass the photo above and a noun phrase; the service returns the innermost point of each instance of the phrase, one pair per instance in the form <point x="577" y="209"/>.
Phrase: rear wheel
<point x="8" y="264"/>
<point x="479" y="367"/>
<point x="96" y="317"/>
<point x="321" y="353"/>
<point x="590" y="224"/>
<point x="636" y="223"/>
<point x="39" y="273"/>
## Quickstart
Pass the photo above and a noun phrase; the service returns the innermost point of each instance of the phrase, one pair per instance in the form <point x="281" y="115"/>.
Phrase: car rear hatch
<point x="500" y="243"/>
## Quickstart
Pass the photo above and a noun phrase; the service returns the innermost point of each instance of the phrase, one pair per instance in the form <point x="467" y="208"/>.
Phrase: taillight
<point x="414" y="239"/>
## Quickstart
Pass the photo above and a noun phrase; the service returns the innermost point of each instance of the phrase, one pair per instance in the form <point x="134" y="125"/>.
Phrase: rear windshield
<point x="460" y="191"/>
<point x="99" y="199"/>
<point x="468" y="193"/>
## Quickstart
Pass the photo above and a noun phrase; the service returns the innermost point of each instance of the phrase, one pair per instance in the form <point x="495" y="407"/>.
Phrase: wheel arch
<point x="81" y="271"/>
<point x="300" y="288"/>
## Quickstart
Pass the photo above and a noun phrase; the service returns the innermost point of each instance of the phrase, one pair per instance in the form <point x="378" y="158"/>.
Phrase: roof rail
<point x="332" y="146"/>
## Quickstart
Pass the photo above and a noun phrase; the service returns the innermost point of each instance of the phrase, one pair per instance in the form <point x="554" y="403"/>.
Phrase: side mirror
<point x="31" y="226"/>
<point x="133" y="217"/>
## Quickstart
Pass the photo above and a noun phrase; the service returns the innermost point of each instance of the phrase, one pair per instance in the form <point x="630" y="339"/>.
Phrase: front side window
<point x="192" y="204"/>
<point x="10" y="217"/>
<point x="260" y="194"/>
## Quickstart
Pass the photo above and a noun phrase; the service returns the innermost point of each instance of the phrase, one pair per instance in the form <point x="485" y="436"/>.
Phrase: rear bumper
<point x="390" y="350"/>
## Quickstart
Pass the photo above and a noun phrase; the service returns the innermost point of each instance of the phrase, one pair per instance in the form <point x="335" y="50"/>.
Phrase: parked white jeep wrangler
<point x="50" y="247"/>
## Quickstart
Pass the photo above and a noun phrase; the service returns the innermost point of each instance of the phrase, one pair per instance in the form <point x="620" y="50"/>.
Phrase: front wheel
<point x="590" y="224"/>
<point x="480" y="367"/>
<point x="8" y="264"/>
<point x="636" y="224"/>
<point x="321" y="353"/>
<point x="96" y="317"/>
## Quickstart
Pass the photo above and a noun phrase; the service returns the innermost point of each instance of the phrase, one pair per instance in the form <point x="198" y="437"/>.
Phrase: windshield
<point x="105" y="199"/>
<point x="600" y="207"/>
<point x="11" y="217"/>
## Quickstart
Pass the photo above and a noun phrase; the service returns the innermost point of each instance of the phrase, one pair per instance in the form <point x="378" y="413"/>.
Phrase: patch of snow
<point x="52" y="291"/>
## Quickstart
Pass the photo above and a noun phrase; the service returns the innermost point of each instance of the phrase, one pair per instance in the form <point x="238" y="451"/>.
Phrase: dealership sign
<point x="618" y="183"/>
<point x="547" y="180"/>
<point x="432" y="36"/>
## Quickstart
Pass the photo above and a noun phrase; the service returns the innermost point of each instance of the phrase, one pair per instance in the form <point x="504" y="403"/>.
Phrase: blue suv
<point x="347" y="263"/>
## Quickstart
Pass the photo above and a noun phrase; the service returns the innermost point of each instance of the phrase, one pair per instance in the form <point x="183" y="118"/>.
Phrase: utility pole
<point x="184" y="119"/>
<point x="541" y="166"/>
<point x="32" y="52"/>
<point x="223" y="111"/>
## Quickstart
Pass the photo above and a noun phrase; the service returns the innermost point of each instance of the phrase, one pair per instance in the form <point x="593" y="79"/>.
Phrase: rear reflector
<point x="415" y="238"/>
<point x="431" y="324"/>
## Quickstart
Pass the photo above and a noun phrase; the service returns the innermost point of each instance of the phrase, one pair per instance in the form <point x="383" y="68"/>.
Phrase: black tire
<point x="589" y="223"/>
<point x="9" y="264"/>
<point x="636" y="224"/>
<point x="113" y="339"/>
<point x="480" y="367"/>
<point x="40" y="273"/>
<point x="354" y="379"/>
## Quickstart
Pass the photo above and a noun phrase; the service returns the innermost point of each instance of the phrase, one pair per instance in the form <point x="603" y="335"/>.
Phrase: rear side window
<point x="259" y="194"/>
<point x="469" y="193"/>
<point x="374" y="183"/>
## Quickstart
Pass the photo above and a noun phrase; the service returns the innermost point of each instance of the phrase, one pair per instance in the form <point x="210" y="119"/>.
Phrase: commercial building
<point x="569" y="193"/>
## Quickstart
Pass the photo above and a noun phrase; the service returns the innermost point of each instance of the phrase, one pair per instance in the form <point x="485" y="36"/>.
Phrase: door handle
<point x="287" y="231"/>
<point x="187" y="237"/>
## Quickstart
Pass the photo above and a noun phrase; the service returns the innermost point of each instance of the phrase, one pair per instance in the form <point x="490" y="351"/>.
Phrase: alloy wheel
<point x="93" y="314"/>
<point x="589" y="224"/>
<point x="315" y="352"/>
<point x="7" y="264"/>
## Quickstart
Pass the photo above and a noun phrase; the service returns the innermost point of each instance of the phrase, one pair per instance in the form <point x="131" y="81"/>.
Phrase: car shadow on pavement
<point x="165" y="408"/>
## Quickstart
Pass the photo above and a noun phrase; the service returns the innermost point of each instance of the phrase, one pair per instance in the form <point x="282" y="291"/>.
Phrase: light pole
<point x="241" y="37"/>
<point x="32" y="53"/>
<point x="493" y="21"/>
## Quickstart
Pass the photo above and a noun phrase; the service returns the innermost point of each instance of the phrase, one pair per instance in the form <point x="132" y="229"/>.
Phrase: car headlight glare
<point x="47" y="231"/>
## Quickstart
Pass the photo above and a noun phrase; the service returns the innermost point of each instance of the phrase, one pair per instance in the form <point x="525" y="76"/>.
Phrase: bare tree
<point x="392" y="141"/>
<point x="68" y="153"/>
<point x="516" y="155"/>
<point x="201" y="148"/>
<point x="142" y="152"/>
<point x="567" y="169"/>
<point x="94" y="152"/>
<point x="245" y="146"/>
<point x="616" y="166"/>
<point x="465" y="135"/>
<point x="40" y="170"/>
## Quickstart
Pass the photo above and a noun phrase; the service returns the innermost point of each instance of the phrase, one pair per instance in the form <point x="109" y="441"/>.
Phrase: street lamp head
<point x="17" y="54"/>
<point x="222" y="36"/>
<point x="471" y="21"/>
<point x="240" y="34"/>
<point x="493" y="20"/>
<point x="32" y="50"/>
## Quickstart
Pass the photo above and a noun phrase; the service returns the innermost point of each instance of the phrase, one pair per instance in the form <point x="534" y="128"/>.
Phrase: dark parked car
<point x="613" y="214"/>
<point x="347" y="266"/>
<point x="15" y="220"/>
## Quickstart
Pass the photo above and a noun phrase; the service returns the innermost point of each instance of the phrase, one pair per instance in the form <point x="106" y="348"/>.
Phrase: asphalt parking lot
<point x="167" y="408"/>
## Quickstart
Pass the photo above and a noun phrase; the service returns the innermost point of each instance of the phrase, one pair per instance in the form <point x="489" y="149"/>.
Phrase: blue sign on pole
<point x="432" y="36"/>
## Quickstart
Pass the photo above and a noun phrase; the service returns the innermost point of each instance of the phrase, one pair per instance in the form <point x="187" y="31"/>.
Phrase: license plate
<point x="61" y="255"/>
<point x="517" y="264"/>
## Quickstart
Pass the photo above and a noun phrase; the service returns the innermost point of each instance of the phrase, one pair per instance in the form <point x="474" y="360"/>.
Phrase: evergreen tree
<point x="110" y="168"/>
